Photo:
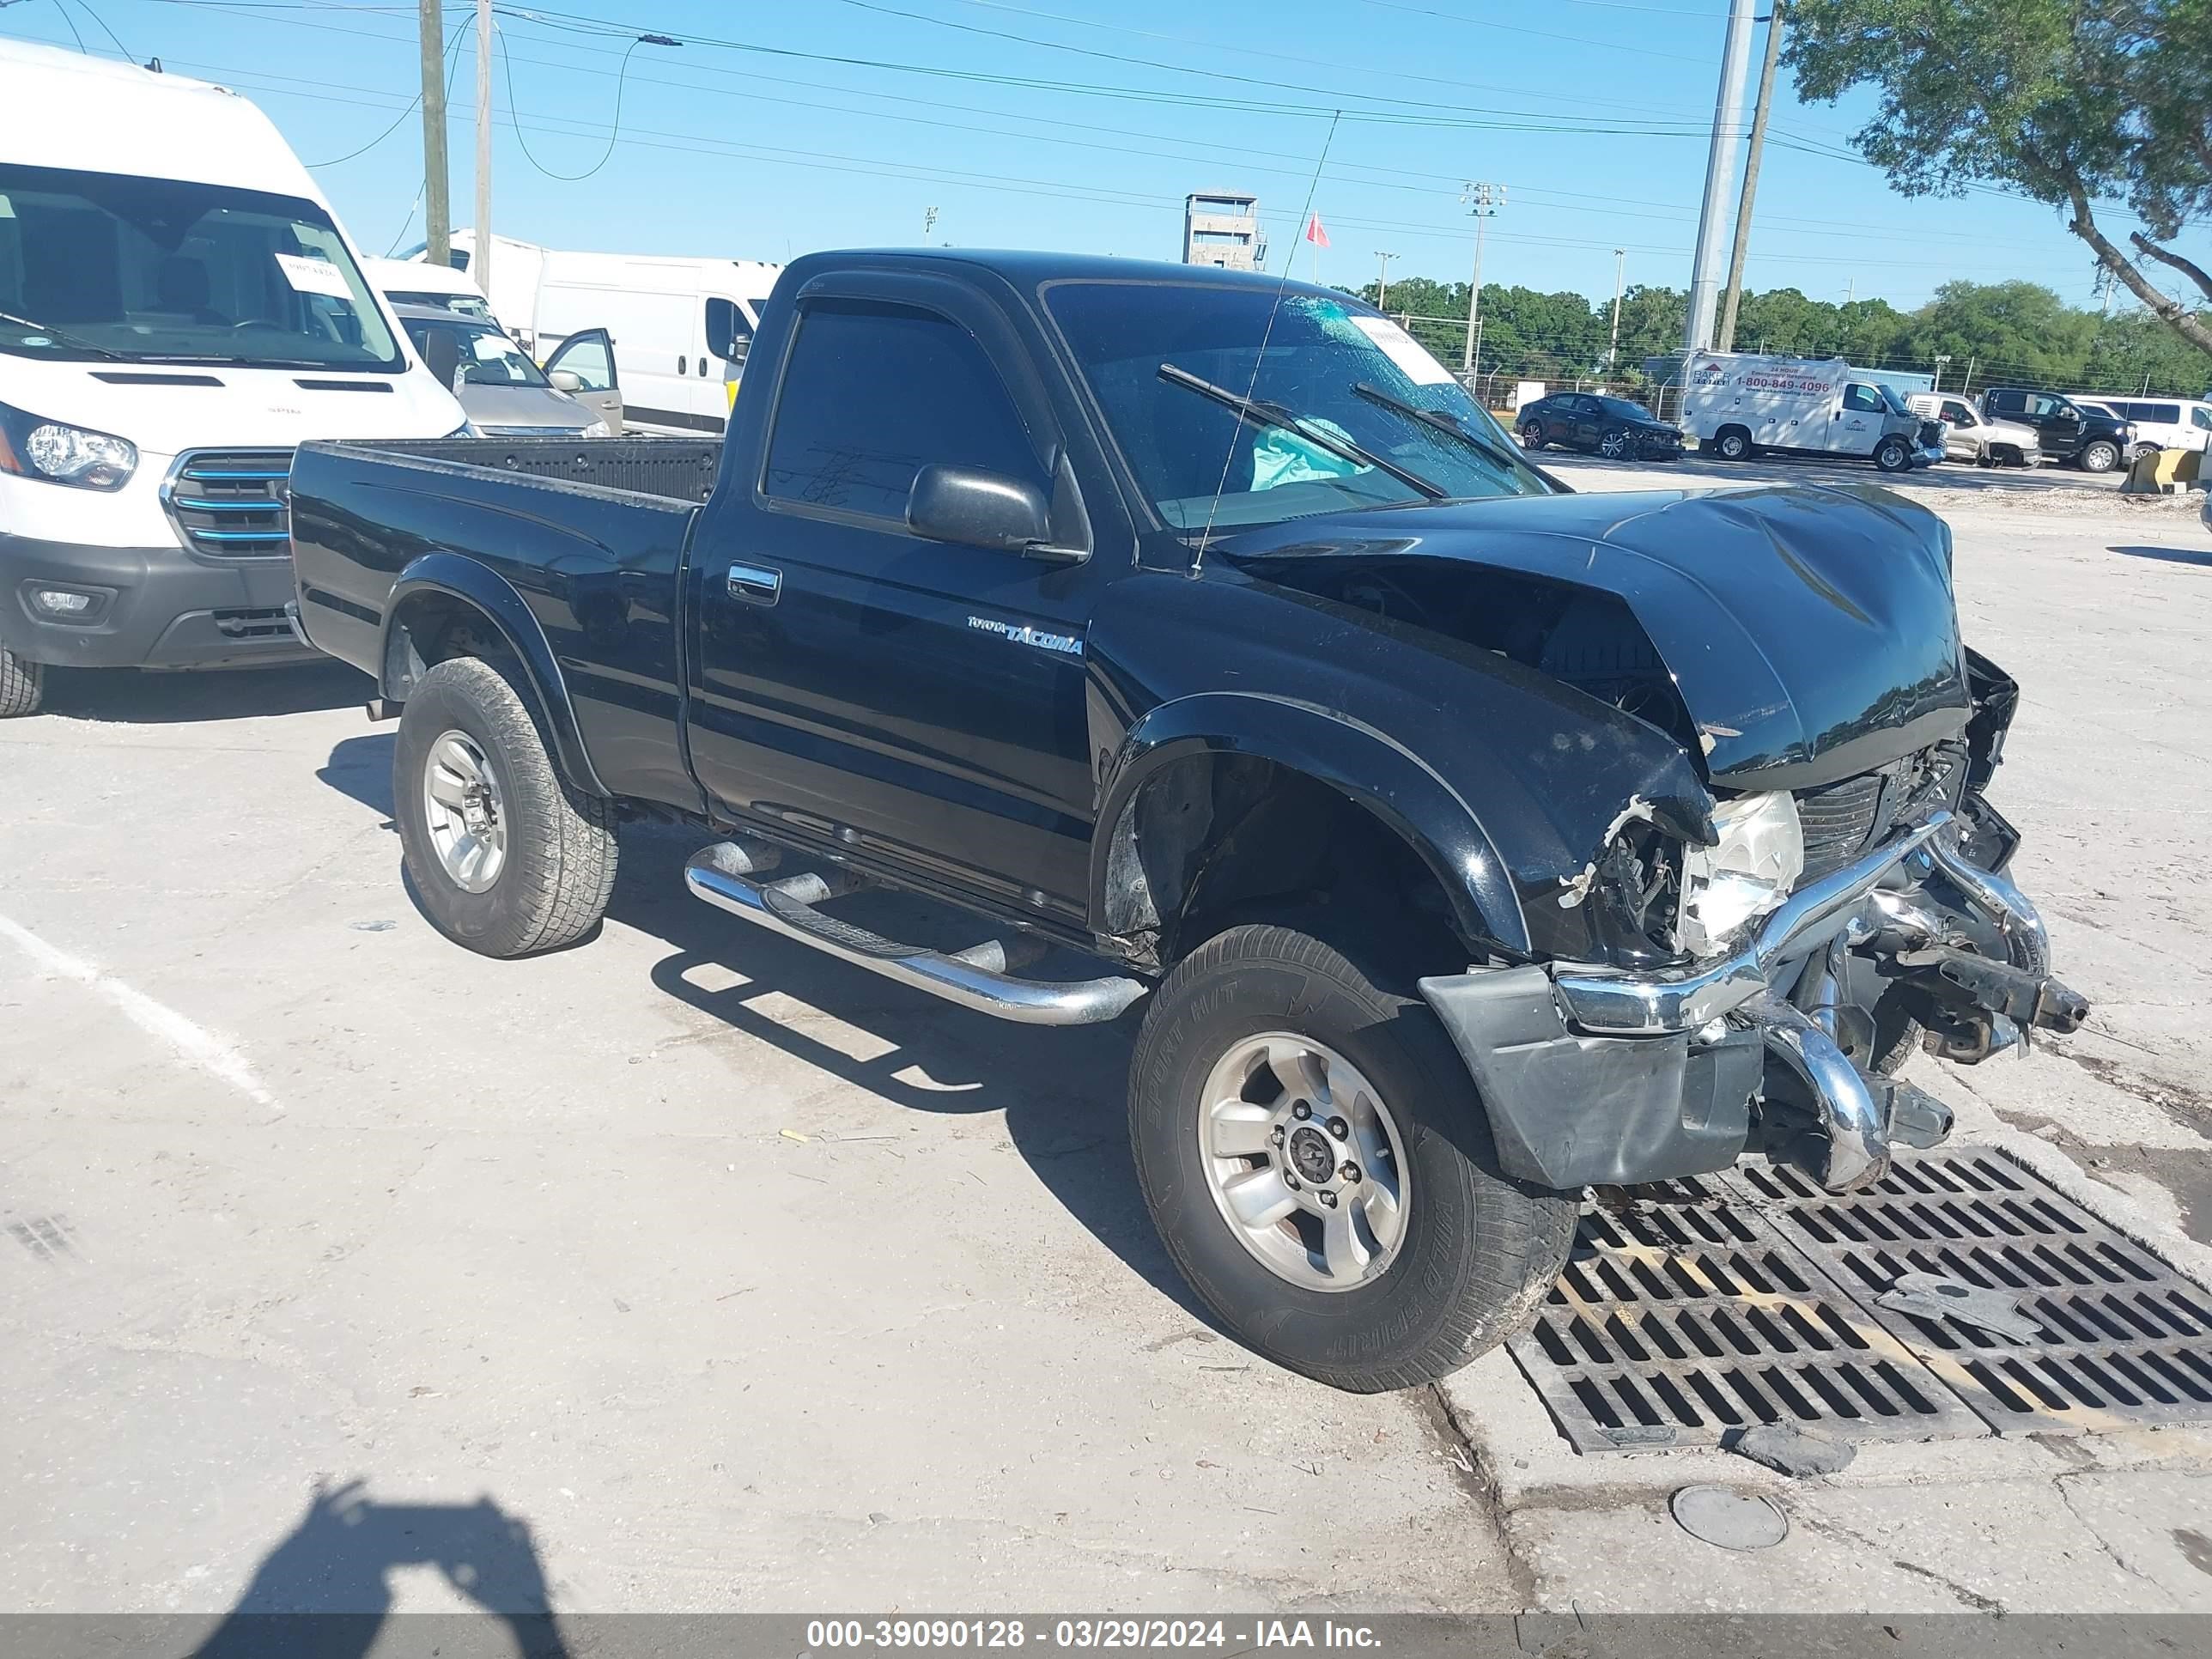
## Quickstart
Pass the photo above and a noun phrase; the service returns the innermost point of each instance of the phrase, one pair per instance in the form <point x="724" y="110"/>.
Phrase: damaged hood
<point x="1811" y="632"/>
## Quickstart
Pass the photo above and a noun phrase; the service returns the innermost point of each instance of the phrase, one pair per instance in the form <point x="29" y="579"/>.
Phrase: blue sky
<point x="1593" y="114"/>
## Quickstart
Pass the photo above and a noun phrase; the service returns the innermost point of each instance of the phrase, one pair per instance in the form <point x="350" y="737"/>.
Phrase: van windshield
<point x="97" y="267"/>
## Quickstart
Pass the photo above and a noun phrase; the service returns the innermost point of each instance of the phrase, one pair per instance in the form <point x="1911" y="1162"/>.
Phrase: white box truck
<point x="680" y="328"/>
<point x="179" y="310"/>
<point x="1738" y="404"/>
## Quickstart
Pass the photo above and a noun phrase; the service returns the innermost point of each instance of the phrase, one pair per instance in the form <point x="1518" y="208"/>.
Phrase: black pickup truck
<point x="1463" y="841"/>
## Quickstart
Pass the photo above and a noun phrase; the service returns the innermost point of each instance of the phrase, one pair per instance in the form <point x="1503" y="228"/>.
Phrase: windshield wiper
<point x="1442" y="423"/>
<point x="1261" y="412"/>
<point x="64" y="335"/>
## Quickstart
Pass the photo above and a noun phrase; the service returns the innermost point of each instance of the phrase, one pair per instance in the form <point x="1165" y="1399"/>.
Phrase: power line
<point x="614" y="133"/>
<point x="452" y="58"/>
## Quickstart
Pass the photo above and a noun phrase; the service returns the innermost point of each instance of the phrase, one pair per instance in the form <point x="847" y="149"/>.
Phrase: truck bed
<point x="677" y="469"/>
<point x="575" y="543"/>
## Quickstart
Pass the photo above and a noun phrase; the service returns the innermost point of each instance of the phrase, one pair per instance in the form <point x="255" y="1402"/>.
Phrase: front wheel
<point x="2101" y="456"/>
<point x="23" y="685"/>
<point x="1613" y="444"/>
<point x="1893" y="455"/>
<point x="1316" y="1160"/>
<point x="505" y="856"/>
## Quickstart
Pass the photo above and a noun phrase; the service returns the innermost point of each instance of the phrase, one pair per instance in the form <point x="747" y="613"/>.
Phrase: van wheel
<point x="2101" y="456"/>
<point x="1319" y="1165"/>
<point x="1733" y="443"/>
<point x="1893" y="455"/>
<point x="2141" y="450"/>
<point x="504" y="856"/>
<point x="21" y="685"/>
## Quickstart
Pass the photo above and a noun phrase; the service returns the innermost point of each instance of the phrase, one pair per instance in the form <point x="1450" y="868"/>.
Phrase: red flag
<point x="1315" y="233"/>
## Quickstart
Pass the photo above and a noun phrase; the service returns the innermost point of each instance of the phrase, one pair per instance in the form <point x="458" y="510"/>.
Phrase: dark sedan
<point x="1611" y="427"/>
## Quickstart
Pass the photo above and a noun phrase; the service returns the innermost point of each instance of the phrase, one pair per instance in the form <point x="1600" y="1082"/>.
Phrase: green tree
<point x="2017" y="331"/>
<point x="2075" y="103"/>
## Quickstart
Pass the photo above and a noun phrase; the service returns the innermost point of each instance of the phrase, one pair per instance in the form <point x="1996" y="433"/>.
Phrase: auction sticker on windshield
<point x="313" y="276"/>
<point x="1403" y="349"/>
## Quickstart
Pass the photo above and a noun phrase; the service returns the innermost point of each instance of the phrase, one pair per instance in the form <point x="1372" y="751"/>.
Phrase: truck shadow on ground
<point x="324" y="1591"/>
<point x="137" y="697"/>
<point x="2166" y="554"/>
<point x="1063" y="1092"/>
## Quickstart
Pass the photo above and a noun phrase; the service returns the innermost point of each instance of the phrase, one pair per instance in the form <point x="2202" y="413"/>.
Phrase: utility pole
<point x="1483" y="200"/>
<point x="1751" y="175"/>
<point x="1383" y="277"/>
<point x="1613" y="351"/>
<point x="1720" y="166"/>
<point x="437" y="209"/>
<point x="1941" y="358"/>
<point x="480" y="266"/>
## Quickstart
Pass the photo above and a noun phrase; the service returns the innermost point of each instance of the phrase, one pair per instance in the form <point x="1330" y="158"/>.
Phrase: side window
<point x="1863" y="400"/>
<point x="729" y="335"/>
<point x="1957" y="413"/>
<point x="872" y="394"/>
<point x="2201" y="418"/>
<point x="2159" y="413"/>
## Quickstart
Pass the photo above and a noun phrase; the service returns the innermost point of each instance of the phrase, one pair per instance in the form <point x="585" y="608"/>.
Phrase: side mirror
<point x="978" y="509"/>
<point x="566" y="379"/>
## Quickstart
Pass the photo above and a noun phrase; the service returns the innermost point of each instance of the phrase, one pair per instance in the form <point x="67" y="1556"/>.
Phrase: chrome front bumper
<point x="1852" y="1108"/>
<point x="1613" y="1002"/>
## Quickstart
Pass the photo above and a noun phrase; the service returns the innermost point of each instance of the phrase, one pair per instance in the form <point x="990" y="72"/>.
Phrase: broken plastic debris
<point x="1931" y="1296"/>
<point x="793" y="1135"/>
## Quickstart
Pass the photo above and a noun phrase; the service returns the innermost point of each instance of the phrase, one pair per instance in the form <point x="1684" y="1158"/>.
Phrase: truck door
<point x="859" y="685"/>
<point x="2058" y="422"/>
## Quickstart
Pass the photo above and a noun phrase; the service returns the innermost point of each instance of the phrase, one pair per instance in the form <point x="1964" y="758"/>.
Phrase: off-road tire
<point x="1532" y="436"/>
<point x="1481" y="1250"/>
<point x="2101" y="455"/>
<point x="1733" y="443"/>
<point x="1893" y="455"/>
<point x="560" y="847"/>
<point x="21" y="685"/>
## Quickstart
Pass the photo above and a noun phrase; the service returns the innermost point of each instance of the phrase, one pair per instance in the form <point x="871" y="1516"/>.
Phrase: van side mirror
<point x="966" y="505"/>
<point x="566" y="379"/>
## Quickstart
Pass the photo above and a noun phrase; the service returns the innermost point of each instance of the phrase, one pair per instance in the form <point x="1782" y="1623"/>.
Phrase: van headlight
<point x="1746" y="875"/>
<point x="54" y="451"/>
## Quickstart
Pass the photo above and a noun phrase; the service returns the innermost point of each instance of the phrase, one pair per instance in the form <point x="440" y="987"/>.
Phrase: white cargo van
<point x="179" y="310"/>
<point x="680" y="327"/>
<point x="1738" y="404"/>
<point x="413" y="282"/>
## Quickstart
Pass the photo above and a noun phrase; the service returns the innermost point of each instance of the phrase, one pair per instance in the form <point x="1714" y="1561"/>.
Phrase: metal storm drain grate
<point x="1685" y="1316"/>
<point x="2119" y="1339"/>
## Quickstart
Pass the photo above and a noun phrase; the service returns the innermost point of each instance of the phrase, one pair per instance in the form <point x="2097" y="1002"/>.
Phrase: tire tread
<point x="23" y="685"/>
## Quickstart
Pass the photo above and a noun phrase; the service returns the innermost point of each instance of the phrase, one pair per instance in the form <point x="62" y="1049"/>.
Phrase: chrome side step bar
<point x="727" y="875"/>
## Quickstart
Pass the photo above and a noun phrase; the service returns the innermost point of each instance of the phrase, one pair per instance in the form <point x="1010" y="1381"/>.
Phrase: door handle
<point x="756" y="584"/>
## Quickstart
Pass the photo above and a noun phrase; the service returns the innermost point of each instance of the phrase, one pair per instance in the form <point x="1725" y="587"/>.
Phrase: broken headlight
<point x="1728" y="886"/>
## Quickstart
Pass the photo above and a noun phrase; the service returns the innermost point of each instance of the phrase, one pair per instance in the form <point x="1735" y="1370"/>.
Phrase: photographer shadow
<point x="325" y="1591"/>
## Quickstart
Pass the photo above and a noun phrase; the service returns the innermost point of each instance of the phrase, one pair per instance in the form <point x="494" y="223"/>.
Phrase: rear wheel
<point x="1733" y="443"/>
<point x="1316" y="1158"/>
<point x="21" y="685"/>
<point x="1893" y="455"/>
<point x="505" y="856"/>
<point x="1533" y="435"/>
<point x="1614" y="444"/>
<point x="2141" y="450"/>
<point x="2101" y="455"/>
